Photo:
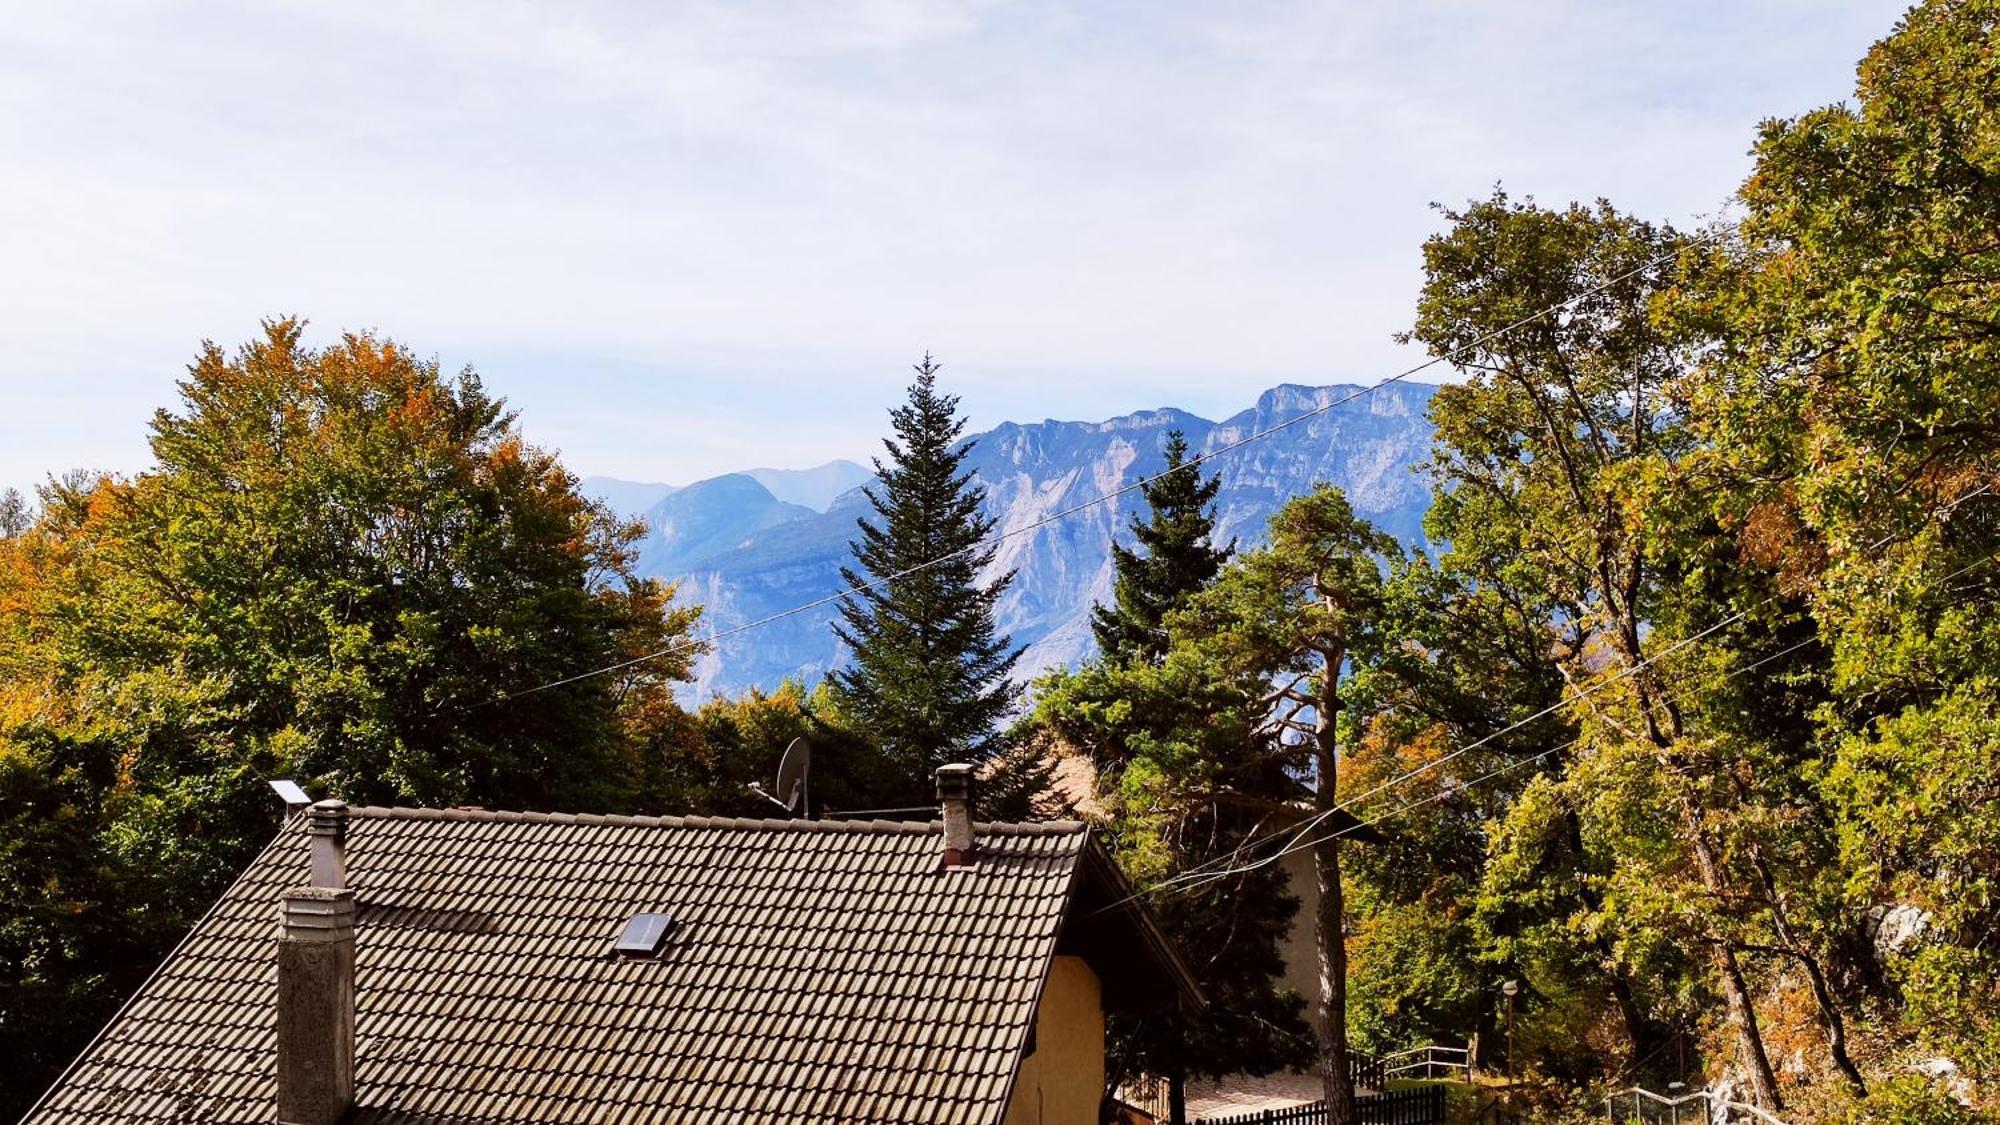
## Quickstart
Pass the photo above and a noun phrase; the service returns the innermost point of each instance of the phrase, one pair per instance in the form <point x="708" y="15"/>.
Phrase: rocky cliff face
<point x="746" y="555"/>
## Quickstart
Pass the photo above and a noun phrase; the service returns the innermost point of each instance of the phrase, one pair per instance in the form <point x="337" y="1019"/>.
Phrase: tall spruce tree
<point x="1180" y="560"/>
<point x="1167" y="732"/>
<point x="929" y="681"/>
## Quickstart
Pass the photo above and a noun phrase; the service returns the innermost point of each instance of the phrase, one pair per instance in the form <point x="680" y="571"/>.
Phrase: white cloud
<point x="1084" y="208"/>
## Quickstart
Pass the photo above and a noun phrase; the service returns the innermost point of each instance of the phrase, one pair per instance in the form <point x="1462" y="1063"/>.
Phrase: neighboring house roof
<point x="816" y="971"/>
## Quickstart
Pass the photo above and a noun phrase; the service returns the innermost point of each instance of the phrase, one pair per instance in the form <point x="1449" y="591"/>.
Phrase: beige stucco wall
<point x="1061" y="1083"/>
<point x="1300" y="950"/>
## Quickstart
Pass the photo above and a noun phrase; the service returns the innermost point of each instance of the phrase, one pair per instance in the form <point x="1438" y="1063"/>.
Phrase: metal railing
<point x="1428" y="1061"/>
<point x="1651" y="1108"/>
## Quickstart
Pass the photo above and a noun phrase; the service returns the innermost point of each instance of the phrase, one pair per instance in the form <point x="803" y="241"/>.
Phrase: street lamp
<point x="1510" y="989"/>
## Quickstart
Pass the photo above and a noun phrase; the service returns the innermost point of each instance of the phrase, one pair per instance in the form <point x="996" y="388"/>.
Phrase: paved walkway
<point x="1240" y="1093"/>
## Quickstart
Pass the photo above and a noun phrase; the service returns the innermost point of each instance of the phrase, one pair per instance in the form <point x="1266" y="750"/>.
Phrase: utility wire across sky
<point x="1299" y="833"/>
<point x="1512" y="766"/>
<point x="1232" y="863"/>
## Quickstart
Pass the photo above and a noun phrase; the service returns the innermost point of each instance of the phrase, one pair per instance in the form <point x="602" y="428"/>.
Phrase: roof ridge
<point x="766" y="824"/>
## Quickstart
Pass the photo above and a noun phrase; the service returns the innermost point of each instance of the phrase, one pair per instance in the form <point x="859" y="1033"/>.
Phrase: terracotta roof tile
<point x="817" y="971"/>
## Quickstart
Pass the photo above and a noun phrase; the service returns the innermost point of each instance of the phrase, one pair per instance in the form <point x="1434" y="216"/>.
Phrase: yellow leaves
<point x="418" y="412"/>
<point x="1385" y="754"/>
<point x="125" y="777"/>
<point x="507" y="455"/>
<point x="31" y="701"/>
<point x="1772" y="536"/>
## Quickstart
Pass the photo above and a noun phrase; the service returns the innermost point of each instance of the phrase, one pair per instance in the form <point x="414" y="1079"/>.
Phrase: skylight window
<point x="643" y="935"/>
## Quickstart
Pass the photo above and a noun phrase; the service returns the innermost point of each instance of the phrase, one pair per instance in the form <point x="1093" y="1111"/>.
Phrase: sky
<point x="689" y="238"/>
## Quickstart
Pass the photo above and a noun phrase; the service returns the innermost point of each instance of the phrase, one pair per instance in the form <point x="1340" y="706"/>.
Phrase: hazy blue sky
<point x="686" y="238"/>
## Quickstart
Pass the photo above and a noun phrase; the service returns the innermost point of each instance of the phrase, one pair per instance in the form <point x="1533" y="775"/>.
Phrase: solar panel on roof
<point x="643" y="935"/>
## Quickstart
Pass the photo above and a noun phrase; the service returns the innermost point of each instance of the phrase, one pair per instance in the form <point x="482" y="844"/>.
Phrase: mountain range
<point x="751" y="544"/>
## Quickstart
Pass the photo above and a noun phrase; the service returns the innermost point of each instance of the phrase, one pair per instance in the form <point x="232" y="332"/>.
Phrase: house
<point x="1236" y="1094"/>
<point x="421" y="965"/>
<point x="1233" y="1095"/>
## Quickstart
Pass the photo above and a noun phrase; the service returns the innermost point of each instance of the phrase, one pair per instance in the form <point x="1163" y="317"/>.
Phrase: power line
<point x="1298" y="831"/>
<point x="1315" y="821"/>
<point x="1454" y="790"/>
<point x="1299" y="843"/>
<point x="690" y="644"/>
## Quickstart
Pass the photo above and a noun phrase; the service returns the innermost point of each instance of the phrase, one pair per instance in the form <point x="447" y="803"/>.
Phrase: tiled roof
<point x="818" y="971"/>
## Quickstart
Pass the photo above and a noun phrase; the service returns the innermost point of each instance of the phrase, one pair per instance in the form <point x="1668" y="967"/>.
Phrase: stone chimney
<point x="954" y="790"/>
<point x="316" y="982"/>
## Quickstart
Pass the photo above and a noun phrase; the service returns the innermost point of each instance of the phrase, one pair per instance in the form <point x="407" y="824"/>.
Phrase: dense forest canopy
<point x="1688" y="724"/>
<point x="1688" y="720"/>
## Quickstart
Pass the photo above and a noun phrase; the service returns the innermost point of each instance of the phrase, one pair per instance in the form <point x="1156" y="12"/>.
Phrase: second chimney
<point x="316" y="982"/>
<point x="954" y="790"/>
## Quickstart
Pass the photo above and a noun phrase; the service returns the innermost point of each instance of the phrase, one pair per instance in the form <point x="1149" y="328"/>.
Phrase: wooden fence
<point x="1421" y="1106"/>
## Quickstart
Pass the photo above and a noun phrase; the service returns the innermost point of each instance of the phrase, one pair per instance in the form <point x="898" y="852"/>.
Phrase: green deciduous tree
<point x="126" y="803"/>
<point x="1561" y="452"/>
<point x="1466" y="659"/>
<point x="342" y="568"/>
<point x="369" y="553"/>
<point x="1851" y="405"/>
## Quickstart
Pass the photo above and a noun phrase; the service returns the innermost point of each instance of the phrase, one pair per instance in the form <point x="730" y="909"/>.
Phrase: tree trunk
<point x="1177" y="1095"/>
<point x="1329" y="929"/>
<point x="1617" y="983"/>
<point x="1742" y="1011"/>
<point x="1331" y="1012"/>
<point x="1830" y="1019"/>
<point x="1763" y="1080"/>
<point x="1636" y="1027"/>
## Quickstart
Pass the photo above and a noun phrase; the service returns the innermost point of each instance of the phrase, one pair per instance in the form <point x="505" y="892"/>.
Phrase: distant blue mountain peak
<point x="746" y="545"/>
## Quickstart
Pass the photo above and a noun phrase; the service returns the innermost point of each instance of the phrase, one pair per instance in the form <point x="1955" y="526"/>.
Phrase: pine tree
<point x="929" y="679"/>
<point x="14" y="514"/>
<point x="1180" y="560"/>
<point x="1189" y="767"/>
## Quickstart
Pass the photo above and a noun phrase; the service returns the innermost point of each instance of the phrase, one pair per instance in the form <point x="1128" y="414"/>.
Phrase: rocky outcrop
<point x="1894" y="929"/>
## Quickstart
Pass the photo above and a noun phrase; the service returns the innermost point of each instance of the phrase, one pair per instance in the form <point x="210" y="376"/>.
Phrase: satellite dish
<point x="794" y="777"/>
